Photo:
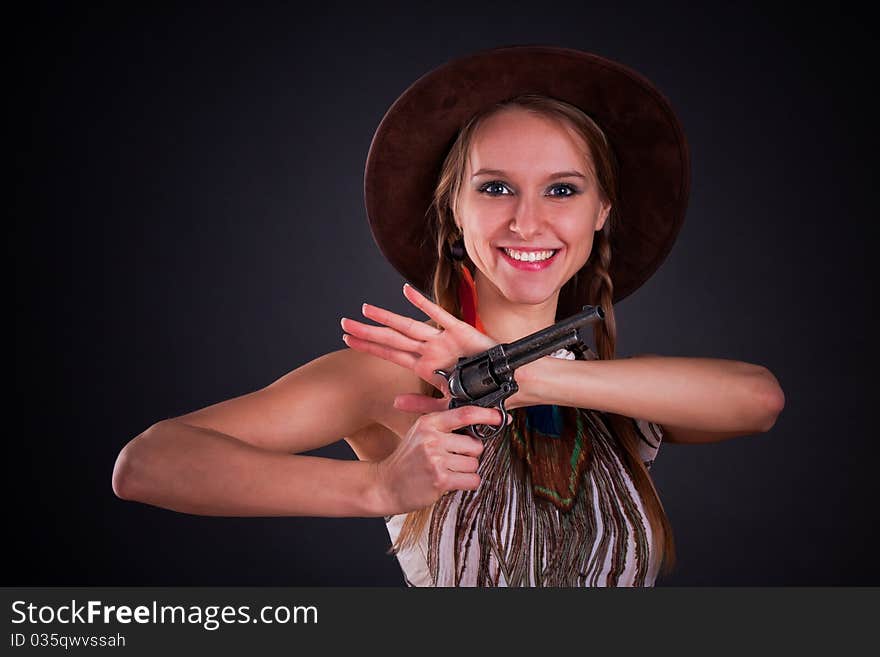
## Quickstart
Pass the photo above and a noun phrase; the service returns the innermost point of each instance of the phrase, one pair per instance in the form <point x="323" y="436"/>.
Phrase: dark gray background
<point x="189" y="226"/>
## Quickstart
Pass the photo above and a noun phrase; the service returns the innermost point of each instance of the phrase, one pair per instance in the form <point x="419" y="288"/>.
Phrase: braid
<point x="446" y="274"/>
<point x="605" y="336"/>
<point x="602" y="293"/>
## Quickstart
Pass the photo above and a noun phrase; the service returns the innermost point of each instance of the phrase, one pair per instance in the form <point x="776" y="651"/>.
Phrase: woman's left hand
<point x="416" y="345"/>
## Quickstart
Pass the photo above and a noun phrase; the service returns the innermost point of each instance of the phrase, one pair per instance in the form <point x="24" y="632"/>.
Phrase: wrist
<point x="528" y="379"/>
<point x="378" y="495"/>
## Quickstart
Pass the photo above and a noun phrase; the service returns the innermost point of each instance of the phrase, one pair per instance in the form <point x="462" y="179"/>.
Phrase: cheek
<point x="580" y="238"/>
<point x="483" y="224"/>
<point x="576" y="228"/>
<point x="586" y="248"/>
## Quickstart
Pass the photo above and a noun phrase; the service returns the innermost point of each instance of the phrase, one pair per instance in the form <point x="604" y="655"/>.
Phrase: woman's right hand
<point x="432" y="459"/>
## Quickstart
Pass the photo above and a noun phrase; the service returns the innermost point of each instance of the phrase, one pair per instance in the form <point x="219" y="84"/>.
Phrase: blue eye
<point x="495" y="188"/>
<point x="568" y="190"/>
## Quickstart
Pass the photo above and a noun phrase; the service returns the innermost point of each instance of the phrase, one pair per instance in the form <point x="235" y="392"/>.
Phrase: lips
<point x="530" y="266"/>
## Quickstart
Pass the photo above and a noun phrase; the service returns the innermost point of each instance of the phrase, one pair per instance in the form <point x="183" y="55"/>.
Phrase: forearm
<point x="193" y="470"/>
<point x="699" y="393"/>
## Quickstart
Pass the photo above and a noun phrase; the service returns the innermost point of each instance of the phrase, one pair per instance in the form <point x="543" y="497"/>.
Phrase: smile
<point x="529" y="260"/>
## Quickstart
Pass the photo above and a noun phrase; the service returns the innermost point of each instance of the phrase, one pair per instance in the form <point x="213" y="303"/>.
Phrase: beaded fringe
<point x="523" y="539"/>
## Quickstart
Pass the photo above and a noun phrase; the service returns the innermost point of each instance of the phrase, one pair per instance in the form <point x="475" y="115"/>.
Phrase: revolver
<point x="487" y="378"/>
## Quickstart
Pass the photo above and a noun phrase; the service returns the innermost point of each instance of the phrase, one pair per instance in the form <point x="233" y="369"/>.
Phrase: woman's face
<point x="528" y="192"/>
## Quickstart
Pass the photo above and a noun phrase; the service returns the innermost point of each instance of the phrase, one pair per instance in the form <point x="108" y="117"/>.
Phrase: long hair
<point x="595" y="274"/>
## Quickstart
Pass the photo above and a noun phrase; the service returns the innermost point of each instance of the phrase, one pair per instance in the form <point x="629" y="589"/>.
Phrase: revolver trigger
<point x="488" y="431"/>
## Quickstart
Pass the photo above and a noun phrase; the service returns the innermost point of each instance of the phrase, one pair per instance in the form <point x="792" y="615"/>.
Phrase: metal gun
<point x="487" y="378"/>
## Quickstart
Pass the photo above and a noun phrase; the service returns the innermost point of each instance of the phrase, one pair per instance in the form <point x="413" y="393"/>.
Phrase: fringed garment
<point x="556" y="507"/>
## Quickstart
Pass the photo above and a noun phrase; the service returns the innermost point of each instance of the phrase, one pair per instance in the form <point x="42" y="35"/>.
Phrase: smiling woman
<point x="516" y="199"/>
<point x="531" y="174"/>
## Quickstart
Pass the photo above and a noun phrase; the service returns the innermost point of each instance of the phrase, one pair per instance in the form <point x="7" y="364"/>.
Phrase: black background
<point x="188" y="226"/>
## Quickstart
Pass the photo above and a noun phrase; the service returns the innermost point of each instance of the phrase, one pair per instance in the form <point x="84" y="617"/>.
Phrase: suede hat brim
<point x="415" y="135"/>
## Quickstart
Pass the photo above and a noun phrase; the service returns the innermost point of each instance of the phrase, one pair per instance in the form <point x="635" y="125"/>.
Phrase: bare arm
<point x="694" y="399"/>
<point x="184" y="468"/>
<point x="234" y="458"/>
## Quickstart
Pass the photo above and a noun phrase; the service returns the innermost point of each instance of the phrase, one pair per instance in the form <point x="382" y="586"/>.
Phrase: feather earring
<point x="467" y="298"/>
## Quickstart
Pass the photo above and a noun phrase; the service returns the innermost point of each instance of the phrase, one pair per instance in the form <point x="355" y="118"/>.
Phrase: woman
<point x="494" y="181"/>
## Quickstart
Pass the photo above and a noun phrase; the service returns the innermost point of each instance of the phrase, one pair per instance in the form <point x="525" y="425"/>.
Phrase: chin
<point x="529" y="297"/>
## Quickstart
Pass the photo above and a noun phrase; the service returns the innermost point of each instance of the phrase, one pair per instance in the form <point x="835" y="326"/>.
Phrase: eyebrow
<point x="552" y="176"/>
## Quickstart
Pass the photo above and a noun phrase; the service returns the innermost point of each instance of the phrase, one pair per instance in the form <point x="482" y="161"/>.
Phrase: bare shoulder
<point x="381" y="379"/>
<point x="385" y="381"/>
<point x="341" y="394"/>
<point x="378" y="381"/>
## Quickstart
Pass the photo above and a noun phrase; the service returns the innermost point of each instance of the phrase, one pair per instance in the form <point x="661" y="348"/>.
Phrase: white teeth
<point x="530" y="256"/>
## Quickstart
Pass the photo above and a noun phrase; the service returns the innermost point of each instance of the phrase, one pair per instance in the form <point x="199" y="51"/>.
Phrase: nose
<point x="527" y="221"/>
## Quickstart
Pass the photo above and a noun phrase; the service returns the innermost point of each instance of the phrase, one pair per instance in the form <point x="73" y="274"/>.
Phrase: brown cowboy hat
<point x="646" y="138"/>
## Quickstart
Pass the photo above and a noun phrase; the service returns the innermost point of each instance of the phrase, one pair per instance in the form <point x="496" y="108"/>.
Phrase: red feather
<point x="467" y="298"/>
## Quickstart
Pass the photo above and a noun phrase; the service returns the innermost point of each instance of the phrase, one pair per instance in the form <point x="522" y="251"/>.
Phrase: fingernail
<point x="364" y="308"/>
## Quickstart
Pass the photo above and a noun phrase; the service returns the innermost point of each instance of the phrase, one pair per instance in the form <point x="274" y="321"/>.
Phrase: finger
<point x="380" y="335"/>
<point x="459" y="463"/>
<point x="428" y="307"/>
<point x="414" y="403"/>
<point x="407" y="325"/>
<point x="463" y="481"/>
<point x="402" y="358"/>
<point x="456" y="418"/>
<point x="457" y="443"/>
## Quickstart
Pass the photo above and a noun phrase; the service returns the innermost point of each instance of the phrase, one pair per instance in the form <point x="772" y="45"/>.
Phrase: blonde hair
<point x="595" y="272"/>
